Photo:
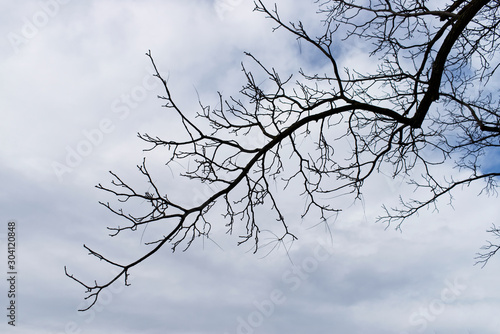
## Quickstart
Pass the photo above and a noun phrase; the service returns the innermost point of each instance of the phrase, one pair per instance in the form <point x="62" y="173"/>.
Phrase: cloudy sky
<point x="74" y="78"/>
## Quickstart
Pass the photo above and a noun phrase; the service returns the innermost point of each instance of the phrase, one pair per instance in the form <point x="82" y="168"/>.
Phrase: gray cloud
<point x="88" y="60"/>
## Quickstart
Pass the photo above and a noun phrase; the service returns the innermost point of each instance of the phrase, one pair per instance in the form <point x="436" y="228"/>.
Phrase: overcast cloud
<point x="76" y="88"/>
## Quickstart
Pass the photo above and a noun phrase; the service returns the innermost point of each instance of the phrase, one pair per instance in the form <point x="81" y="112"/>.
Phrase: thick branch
<point x="465" y="16"/>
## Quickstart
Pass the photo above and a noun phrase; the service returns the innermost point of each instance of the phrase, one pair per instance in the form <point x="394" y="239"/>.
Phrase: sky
<point x="76" y="88"/>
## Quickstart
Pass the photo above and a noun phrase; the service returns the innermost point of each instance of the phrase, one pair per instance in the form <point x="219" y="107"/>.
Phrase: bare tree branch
<point x="429" y="100"/>
<point x="490" y="248"/>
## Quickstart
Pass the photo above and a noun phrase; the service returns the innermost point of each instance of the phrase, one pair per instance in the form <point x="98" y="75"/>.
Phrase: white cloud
<point x="69" y="76"/>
